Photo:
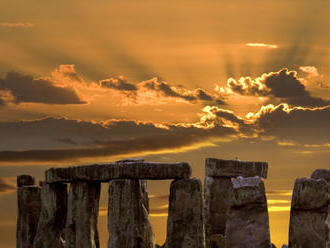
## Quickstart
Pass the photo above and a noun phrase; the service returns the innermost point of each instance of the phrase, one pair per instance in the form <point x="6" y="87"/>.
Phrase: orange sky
<point x="84" y="82"/>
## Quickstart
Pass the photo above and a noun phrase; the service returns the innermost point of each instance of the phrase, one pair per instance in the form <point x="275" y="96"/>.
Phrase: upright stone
<point x="185" y="215"/>
<point x="309" y="213"/>
<point x="28" y="200"/>
<point x="81" y="224"/>
<point x="248" y="222"/>
<point x="50" y="232"/>
<point x="217" y="195"/>
<point x="128" y="221"/>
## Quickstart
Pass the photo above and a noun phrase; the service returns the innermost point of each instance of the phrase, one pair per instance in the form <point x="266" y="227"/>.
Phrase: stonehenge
<point x="62" y="212"/>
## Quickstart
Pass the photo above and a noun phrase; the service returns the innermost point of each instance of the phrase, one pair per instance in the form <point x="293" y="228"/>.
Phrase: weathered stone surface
<point x="234" y="168"/>
<point x="128" y="221"/>
<point x="50" y="232"/>
<point x="28" y="199"/>
<point x="322" y="174"/>
<point x="309" y="213"/>
<point x="25" y="180"/>
<point x="216" y="241"/>
<point x="81" y="224"/>
<point x="217" y="195"/>
<point x="310" y="193"/>
<point x="248" y="222"/>
<point x="127" y="170"/>
<point x="185" y="215"/>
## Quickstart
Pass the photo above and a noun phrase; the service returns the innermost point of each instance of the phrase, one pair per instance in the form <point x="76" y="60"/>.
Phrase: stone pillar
<point x="324" y="174"/>
<point x="309" y="213"/>
<point x="248" y="223"/>
<point x="50" y="232"/>
<point x="218" y="191"/>
<point x="128" y="220"/>
<point x="185" y="227"/>
<point x="217" y="195"/>
<point x="81" y="224"/>
<point x="28" y="200"/>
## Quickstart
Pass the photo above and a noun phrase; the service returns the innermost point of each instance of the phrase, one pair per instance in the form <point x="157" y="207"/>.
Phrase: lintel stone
<point x="121" y="170"/>
<point x="234" y="168"/>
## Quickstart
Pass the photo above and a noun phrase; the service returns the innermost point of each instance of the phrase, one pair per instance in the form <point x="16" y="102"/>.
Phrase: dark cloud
<point x="284" y="85"/>
<point x="118" y="84"/>
<point x="7" y="184"/>
<point x="25" y="88"/>
<point x="63" y="139"/>
<point x="303" y="125"/>
<point x="165" y="89"/>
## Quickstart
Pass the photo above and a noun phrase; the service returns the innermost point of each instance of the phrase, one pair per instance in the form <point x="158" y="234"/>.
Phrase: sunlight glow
<point x="271" y="46"/>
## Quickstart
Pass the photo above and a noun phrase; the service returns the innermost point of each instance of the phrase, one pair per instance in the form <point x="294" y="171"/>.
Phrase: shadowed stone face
<point x="124" y="170"/>
<point x="81" y="225"/>
<point x="217" y="195"/>
<point x="309" y="220"/>
<point x="234" y="168"/>
<point x="128" y="221"/>
<point x="248" y="222"/>
<point x="28" y="199"/>
<point x="50" y="233"/>
<point x="185" y="218"/>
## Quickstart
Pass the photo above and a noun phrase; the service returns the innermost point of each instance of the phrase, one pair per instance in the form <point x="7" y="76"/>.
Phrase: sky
<point x="84" y="82"/>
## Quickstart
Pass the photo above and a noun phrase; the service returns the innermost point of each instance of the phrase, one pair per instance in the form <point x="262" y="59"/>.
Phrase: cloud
<point x="7" y="184"/>
<point x="25" y="88"/>
<point x="283" y="85"/>
<point x="16" y="25"/>
<point x="64" y="139"/>
<point x="119" y="83"/>
<point x="296" y="124"/>
<point x="310" y="70"/>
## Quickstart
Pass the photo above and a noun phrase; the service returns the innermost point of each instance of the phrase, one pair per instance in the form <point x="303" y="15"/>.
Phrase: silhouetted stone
<point x="234" y="168"/>
<point x="128" y="221"/>
<point x="248" y="223"/>
<point x="309" y="213"/>
<point x="185" y="215"/>
<point x="217" y="196"/>
<point x="28" y="199"/>
<point x="81" y="224"/>
<point x="322" y="174"/>
<point x="50" y="232"/>
<point x="25" y="180"/>
<point x="127" y="170"/>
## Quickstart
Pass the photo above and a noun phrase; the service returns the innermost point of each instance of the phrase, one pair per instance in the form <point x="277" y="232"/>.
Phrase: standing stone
<point x="309" y="213"/>
<point x="52" y="217"/>
<point x="185" y="215"/>
<point x="248" y="222"/>
<point x="128" y="221"/>
<point x="217" y="195"/>
<point x="28" y="200"/>
<point x="83" y="206"/>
